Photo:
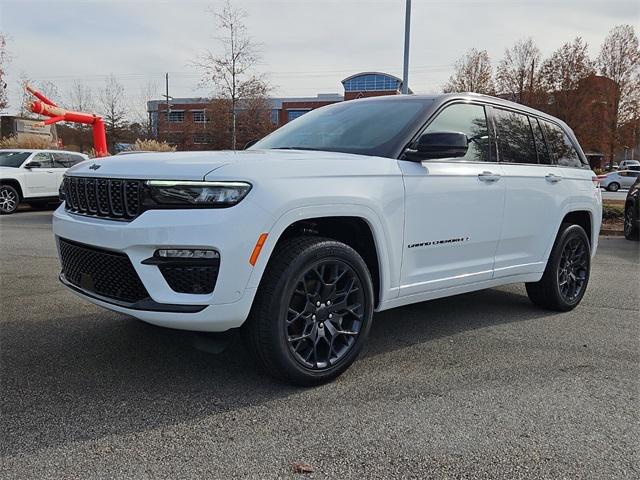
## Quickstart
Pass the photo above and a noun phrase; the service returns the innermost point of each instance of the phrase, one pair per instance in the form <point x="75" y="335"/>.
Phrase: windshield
<point x="367" y="127"/>
<point x="13" y="159"/>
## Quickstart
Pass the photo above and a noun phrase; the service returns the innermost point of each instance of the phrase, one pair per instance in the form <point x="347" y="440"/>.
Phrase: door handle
<point x="489" y="176"/>
<point x="553" y="178"/>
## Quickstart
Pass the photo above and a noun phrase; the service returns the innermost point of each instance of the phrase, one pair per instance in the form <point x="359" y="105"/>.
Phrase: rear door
<point x="535" y="193"/>
<point x="453" y="208"/>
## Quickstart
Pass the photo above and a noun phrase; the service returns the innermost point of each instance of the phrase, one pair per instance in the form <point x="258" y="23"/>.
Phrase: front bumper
<point x="226" y="307"/>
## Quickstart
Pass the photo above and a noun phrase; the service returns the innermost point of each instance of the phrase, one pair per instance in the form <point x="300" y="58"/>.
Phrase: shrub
<point x="26" y="142"/>
<point x="612" y="212"/>
<point x="152" y="146"/>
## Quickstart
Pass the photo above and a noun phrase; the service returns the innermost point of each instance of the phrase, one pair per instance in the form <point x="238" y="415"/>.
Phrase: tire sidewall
<point x="569" y="233"/>
<point x="323" y="251"/>
<point x="613" y="187"/>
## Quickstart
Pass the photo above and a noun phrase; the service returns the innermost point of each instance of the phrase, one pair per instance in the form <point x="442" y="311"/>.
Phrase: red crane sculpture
<point x="44" y="106"/>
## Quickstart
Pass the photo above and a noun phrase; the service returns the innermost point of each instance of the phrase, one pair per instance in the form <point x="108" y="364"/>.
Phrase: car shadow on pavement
<point x="77" y="378"/>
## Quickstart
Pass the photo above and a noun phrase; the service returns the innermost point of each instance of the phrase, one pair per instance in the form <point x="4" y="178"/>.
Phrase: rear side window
<point x="560" y="146"/>
<point x="541" y="145"/>
<point x="66" y="160"/>
<point x="515" y="137"/>
<point x="44" y="159"/>
<point x="469" y="119"/>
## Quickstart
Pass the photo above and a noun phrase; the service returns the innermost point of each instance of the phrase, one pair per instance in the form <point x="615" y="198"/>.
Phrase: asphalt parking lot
<point x="482" y="385"/>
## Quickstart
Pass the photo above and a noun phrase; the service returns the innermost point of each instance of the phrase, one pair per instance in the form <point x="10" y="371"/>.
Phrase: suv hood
<point x="196" y="165"/>
<point x="154" y="165"/>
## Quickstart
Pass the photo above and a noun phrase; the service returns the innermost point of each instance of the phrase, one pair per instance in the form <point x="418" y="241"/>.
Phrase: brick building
<point x="188" y="122"/>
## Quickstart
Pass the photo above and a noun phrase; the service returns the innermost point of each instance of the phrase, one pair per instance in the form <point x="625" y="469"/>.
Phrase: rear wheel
<point x="9" y="199"/>
<point x="631" y="231"/>
<point x="566" y="276"/>
<point x="312" y="312"/>
<point x="613" y="187"/>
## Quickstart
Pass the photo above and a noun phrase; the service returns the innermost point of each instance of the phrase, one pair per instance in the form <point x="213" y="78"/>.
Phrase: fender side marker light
<point x="257" y="249"/>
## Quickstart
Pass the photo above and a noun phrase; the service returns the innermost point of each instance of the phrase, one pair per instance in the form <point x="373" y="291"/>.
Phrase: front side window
<point x="560" y="146"/>
<point x="13" y="159"/>
<point x="44" y="159"/>
<point x="469" y="119"/>
<point x="515" y="137"/>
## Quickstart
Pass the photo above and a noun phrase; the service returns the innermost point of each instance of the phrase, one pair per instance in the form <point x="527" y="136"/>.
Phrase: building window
<point x="201" y="138"/>
<point x="175" y="116"/>
<point x="275" y="116"/>
<point x="293" y="114"/>
<point x="372" y="82"/>
<point x="175" y="138"/>
<point x="199" y="116"/>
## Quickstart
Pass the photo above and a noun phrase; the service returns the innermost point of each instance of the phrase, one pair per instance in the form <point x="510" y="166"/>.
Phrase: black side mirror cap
<point x="433" y="145"/>
<point x="31" y="165"/>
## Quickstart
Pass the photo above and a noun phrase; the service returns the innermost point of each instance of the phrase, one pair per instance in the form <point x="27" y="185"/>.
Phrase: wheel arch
<point x="15" y="184"/>
<point x="359" y="228"/>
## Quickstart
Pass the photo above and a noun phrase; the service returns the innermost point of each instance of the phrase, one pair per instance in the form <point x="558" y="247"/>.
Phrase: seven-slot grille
<point x="118" y="199"/>
<point x="107" y="273"/>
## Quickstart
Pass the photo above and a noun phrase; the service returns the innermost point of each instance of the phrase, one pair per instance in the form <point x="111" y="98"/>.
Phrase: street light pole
<point x="407" y="27"/>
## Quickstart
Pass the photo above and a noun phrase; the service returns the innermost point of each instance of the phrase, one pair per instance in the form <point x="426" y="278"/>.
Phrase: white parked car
<point x="32" y="176"/>
<point x="356" y="207"/>
<point x="614" y="181"/>
<point x="627" y="164"/>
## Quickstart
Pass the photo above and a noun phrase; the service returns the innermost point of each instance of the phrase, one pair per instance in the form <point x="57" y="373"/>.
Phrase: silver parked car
<point x="614" y="181"/>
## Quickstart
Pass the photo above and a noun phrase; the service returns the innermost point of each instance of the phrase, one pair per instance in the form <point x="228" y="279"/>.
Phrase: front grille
<point x="191" y="279"/>
<point x="106" y="273"/>
<point x="112" y="198"/>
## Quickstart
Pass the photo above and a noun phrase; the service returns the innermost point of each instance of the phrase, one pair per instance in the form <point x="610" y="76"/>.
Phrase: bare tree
<point x="148" y="92"/>
<point x="25" y="97"/>
<point x="4" y="59"/>
<point x="80" y="99"/>
<point x="112" y="106"/>
<point x="231" y="69"/>
<point x="563" y="76"/>
<point x="517" y="72"/>
<point x="619" y="59"/>
<point x="472" y="73"/>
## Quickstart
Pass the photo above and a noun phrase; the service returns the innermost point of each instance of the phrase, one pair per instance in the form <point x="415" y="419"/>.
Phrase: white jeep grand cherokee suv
<point x="32" y="176"/>
<point x="353" y="208"/>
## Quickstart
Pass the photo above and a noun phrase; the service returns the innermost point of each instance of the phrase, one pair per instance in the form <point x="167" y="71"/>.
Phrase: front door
<point x="453" y="208"/>
<point x="41" y="181"/>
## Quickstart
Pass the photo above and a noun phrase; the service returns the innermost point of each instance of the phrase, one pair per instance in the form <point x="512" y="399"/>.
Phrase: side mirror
<point x="439" y="145"/>
<point x="31" y="165"/>
<point x="251" y="143"/>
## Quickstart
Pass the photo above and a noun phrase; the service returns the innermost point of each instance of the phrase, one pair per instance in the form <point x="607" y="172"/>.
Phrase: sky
<point x="307" y="46"/>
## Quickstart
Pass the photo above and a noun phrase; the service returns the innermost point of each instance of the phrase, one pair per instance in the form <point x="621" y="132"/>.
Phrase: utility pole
<point x="167" y="97"/>
<point x="533" y="66"/>
<point x="407" y="27"/>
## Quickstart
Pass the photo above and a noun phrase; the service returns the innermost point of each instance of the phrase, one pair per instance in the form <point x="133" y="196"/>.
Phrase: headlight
<point x="198" y="194"/>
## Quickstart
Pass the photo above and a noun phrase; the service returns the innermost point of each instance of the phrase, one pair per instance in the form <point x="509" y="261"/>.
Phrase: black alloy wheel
<point x="9" y="199"/>
<point x="325" y="314"/>
<point x="565" y="278"/>
<point x="630" y="233"/>
<point x="312" y="312"/>
<point x="572" y="274"/>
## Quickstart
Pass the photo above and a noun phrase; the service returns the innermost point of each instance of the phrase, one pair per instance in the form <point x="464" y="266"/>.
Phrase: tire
<point x="9" y="199"/>
<point x="613" y="187"/>
<point x="286" y="308"/>
<point x="564" y="270"/>
<point x="631" y="231"/>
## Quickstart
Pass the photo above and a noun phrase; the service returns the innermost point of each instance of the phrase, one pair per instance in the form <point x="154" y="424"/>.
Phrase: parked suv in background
<point x="352" y="208"/>
<point x="632" y="212"/>
<point x="629" y="165"/>
<point x="32" y="176"/>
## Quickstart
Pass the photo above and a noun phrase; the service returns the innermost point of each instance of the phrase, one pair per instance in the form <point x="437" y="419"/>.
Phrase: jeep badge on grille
<point x="95" y="166"/>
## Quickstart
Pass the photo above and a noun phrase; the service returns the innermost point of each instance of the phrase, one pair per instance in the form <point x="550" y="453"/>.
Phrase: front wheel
<point x="312" y="312"/>
<point x="566" y="276"/>
<point x="9" y="199"/>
